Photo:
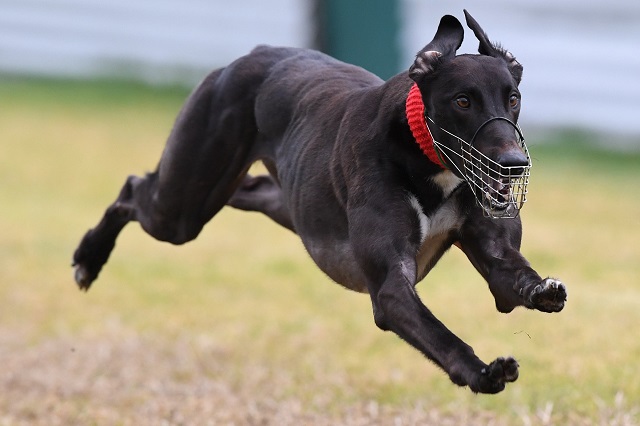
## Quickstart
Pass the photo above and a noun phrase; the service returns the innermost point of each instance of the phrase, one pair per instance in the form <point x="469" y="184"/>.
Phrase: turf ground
<point x="239" y="327"/>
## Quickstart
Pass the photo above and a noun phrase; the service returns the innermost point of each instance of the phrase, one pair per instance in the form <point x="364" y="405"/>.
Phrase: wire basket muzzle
<point x="500" y="190"/>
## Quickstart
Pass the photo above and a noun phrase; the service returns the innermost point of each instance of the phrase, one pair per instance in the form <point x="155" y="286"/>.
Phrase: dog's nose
<point x="515" y="159"/>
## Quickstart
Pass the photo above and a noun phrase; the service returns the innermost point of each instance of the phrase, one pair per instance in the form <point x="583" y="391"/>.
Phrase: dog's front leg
<point x="493" y="247"/>
<point x="386" y="253"/>
<point x="400" y="310"/>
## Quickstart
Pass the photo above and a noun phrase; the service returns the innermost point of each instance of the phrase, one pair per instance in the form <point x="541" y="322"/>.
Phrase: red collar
<point x="418" y="126"/>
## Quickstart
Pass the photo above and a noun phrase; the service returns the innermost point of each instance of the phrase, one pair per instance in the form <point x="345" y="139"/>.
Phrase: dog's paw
<point x="85" y="270"/>
<point x="89" y="258"/>
<point x="494" y="377"/>
<point x="548" y="296"/>
<point x="83" y="276"/>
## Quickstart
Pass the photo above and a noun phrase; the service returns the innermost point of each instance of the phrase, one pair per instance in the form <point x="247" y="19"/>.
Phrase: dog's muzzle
<point x="501" y="191"/>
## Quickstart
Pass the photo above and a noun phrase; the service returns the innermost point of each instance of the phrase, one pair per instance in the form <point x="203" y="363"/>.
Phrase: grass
<point x="244" y="309"/>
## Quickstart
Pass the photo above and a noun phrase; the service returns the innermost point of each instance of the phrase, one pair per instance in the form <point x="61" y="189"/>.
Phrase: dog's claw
<point x="495" y="376"/>
<point x="548" y="296"/>
<point x="82" y="277"/>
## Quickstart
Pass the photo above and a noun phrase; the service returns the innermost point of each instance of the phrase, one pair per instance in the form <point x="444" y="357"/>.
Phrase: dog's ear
<point x="447" y="40"/>
<point x="495" y="50"/>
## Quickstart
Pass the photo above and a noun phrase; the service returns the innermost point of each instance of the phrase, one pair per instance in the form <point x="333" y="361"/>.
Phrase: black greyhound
<point x="365" y="173"/>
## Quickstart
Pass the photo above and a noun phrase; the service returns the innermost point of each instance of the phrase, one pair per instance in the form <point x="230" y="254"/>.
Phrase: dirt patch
<point x="129" y="379"/>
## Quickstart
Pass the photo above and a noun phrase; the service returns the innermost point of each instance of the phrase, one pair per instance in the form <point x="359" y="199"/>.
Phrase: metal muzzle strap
<point x="501" y="191"/>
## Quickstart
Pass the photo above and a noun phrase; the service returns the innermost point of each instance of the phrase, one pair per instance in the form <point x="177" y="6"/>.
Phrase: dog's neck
<point x="419" y="128"/>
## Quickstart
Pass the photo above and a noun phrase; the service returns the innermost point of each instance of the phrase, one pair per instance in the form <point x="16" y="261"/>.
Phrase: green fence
<point x="362" y="32"/>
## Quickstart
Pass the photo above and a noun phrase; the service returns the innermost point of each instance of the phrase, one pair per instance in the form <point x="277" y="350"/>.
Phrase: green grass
<point x="67" y="147"/>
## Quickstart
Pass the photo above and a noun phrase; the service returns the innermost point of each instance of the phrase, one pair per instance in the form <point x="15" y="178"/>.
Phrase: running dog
<point x="379" y="179"/>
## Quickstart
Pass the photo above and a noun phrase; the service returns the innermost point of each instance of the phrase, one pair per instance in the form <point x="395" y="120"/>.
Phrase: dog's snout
<point x="515" y="159"/>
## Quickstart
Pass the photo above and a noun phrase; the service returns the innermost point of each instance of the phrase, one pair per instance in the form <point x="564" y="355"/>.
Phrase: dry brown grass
<point x="123" y="378"/>
<point x="128" y="379"/>
<point x="240" y="328"/>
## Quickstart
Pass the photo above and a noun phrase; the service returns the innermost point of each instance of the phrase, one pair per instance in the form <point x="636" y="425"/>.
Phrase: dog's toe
<point x="82" y="277"/>
<point x="494" y="377"/>
<point x="548" y="296"/>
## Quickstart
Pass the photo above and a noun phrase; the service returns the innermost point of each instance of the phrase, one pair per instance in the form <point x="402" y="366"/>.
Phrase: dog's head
<point x="472" y="104"/>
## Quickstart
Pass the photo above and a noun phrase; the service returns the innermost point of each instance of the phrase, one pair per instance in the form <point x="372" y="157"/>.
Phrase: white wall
<point x="581" y="59"/>
<point x="153" y="39"/>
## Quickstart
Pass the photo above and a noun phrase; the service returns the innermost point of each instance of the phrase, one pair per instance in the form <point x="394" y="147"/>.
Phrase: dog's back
<point x="283" y="82"/>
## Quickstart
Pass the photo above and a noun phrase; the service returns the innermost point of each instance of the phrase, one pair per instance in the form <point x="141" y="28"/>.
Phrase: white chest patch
<point x="444" y="219"/>
<point x="447" y="182"/>
<point x="434" y="231"/>
<point x="422" y="218"/>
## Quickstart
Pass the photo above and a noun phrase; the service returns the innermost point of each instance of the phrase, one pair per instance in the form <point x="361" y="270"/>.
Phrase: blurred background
<point x="582" y="60"/>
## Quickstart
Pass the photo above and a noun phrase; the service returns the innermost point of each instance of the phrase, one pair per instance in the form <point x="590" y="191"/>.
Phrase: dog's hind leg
<point x="97" y="244"/>
<point x="263" y="194"/>
<point x="205" y="159"/>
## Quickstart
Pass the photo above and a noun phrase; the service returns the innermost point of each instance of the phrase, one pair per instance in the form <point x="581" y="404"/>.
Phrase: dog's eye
<point x="463" y="102"/>
<point x="514" y="101"/>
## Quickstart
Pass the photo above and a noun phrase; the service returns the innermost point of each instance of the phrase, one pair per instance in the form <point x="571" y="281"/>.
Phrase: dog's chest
<point x="436" y="228"/>
<point x="447" y="182"/>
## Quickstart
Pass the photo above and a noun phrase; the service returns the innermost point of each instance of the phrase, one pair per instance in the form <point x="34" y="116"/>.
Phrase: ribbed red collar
<point x="418" y="125"/>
